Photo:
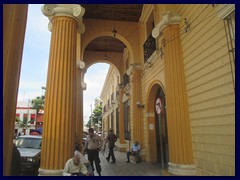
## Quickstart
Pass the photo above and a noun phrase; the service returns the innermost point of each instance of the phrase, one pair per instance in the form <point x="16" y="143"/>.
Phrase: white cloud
<point x="37" y="21"/>
<point x="94" y="78"/>
<point x="29" y="89"/>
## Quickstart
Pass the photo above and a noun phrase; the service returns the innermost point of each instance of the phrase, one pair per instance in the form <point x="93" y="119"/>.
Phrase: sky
<point x="35" y="63"/>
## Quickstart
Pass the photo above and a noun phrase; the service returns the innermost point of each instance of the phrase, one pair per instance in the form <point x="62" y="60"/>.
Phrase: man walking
<point x="93" y="146"/>
<point x="111" y="139"/>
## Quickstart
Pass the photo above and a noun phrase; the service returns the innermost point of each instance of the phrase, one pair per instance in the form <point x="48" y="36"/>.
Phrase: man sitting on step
<point x="135" y="151"/>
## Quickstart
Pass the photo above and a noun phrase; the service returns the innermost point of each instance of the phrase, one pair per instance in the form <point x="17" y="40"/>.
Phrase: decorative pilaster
<point x="179" y="132"/>
<point x="60" y="104"/>
<point x="137" y="114"/>
<point x="79" y="109"/>
<point x="121" y="117"/>
<point x="79" y="93"/>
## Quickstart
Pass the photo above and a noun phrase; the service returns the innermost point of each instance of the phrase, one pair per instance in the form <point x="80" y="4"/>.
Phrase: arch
<point x="101" y="61"/>
<point x="109" y="33"/>
<point x="157" y="131"/>
<point x="152" y="89"/>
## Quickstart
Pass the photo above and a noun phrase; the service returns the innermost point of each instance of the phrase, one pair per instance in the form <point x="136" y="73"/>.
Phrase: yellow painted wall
<point x="111" y="80"/>
<point x="210" y="90"/>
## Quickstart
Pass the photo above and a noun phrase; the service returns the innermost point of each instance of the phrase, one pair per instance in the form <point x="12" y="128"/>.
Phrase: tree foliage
<point x="38" y="103"/>
<point x="96" y="117"/>
<point x="23" y="123"/>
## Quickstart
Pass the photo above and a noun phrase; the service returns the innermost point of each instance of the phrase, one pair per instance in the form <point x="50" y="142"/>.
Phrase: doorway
<point x="161" y="128"/>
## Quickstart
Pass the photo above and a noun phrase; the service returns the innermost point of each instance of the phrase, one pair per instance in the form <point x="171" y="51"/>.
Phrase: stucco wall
<point x="211" y="95"/>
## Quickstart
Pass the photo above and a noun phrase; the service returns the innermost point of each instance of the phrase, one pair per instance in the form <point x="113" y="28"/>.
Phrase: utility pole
<point x="91" y="115"/>
<point x="27" y="115"/>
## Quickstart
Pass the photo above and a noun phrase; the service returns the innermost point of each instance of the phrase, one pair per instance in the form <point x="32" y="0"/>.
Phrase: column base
<point x="122" y="147"/>
<point x="182" y="169"/>
<point x="47" y="172"/>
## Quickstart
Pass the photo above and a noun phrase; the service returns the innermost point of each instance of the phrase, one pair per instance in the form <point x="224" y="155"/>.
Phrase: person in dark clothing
<point x="16" y="169"/>
<point x="111" y="139"/>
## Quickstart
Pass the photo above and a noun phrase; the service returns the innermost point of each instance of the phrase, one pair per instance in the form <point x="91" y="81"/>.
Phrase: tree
<point x="38" y="103"/>
<point x="96" y="117"/>
<point x="23" y="123"/>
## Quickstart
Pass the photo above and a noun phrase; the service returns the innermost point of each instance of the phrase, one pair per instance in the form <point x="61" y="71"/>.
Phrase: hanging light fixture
<point x="114" y="31"/>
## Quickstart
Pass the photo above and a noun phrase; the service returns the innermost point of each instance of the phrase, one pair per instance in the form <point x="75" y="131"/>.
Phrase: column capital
<point x="74" y="11"/>
<point x="133" y="68"/>
<point x="167" y="19"/>
<point x="80" y="64"/>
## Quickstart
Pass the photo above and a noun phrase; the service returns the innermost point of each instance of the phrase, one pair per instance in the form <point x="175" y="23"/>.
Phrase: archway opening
<point x="161" y="128"/>
<point x="94" y="78"/>
<point x="157" y="122"/>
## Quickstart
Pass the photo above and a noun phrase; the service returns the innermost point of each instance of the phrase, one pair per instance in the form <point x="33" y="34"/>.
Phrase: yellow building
<point x="172" y="87"/>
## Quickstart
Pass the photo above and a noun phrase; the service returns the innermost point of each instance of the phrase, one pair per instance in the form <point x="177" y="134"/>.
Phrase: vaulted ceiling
<point x="118" y="12"/>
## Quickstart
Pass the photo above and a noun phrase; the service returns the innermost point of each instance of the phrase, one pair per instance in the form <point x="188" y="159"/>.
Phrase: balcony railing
<point x="149" y="47"/>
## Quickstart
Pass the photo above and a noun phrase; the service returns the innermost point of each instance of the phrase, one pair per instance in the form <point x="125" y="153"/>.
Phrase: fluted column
<point x="179" y="132"/>
<point x="14" y="26"/>
<point x="60" y="102"/>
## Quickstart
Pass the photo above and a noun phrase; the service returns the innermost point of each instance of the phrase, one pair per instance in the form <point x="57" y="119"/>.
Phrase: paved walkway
<point x="121" y="168"/>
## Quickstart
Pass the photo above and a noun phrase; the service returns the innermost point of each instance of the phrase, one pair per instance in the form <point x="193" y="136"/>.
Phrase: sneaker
<point x="107" y="159"/>
<point x="127" y="161"/>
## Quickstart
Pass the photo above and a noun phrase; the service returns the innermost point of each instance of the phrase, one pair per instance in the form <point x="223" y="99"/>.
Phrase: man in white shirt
<point x="93" y="146"/>
<point x="75" y="167"/>
<point x="135" y="150"/>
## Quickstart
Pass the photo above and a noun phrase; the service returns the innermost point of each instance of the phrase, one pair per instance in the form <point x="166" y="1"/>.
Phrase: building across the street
<point x="27" y="115"/>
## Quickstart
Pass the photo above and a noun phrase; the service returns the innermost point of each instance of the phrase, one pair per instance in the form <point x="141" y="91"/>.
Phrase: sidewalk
<point x="121" y="168"/>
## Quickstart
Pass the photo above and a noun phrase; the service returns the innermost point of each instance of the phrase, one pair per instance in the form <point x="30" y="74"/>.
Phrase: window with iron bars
<point x="229" y="23"/>
<point x="149" y="47"/>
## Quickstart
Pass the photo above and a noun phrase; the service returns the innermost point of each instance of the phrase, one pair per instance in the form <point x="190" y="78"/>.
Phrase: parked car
<point x="30" y="150"/>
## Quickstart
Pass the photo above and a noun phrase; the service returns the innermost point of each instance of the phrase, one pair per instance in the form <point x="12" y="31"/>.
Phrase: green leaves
<point x="38" y="103"/>
<point x="23" y="123"/>
<point x="96" y="117"/>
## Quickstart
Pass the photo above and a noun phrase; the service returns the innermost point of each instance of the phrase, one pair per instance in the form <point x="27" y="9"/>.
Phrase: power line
<point x="183" y="28"/>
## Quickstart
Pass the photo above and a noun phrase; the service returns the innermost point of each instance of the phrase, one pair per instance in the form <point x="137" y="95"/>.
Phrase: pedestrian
<point x="75" y="167"/>
<point x="16" y="169"/>
<point x="111" y="139"/>
<point x="93" y="146"/>
<point x="135" y="151"/>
